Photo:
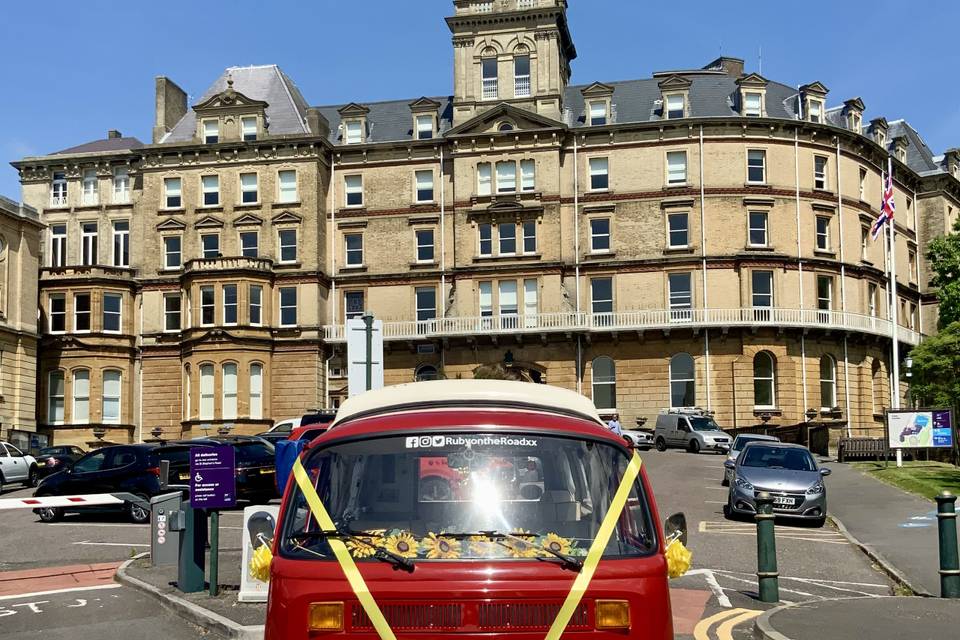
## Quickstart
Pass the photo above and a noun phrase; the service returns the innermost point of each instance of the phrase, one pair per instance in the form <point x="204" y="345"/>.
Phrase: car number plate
<point x="783" y="501"/>
<point x="266" y="471"/>
<point x="184" y="476"/>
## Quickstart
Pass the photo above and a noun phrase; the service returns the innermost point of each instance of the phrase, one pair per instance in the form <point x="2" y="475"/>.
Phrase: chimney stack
<point x="113" y="134"/>
<point x="171" y="105"/>
<point x="318" y="125"/>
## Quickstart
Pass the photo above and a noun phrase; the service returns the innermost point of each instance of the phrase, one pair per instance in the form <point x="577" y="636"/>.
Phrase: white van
<point x="691" y="429"/>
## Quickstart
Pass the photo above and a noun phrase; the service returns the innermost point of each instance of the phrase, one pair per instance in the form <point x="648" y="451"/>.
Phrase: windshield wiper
<point x="380" y="553"/>
<point x="568" y="561"/>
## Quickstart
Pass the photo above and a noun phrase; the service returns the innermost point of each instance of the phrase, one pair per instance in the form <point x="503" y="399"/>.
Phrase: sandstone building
<point x="698" y="237"/>
<point x="20" y="233"/>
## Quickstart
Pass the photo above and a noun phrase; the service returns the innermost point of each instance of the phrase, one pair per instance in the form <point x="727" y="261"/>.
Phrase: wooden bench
<point x="861" y="447"/>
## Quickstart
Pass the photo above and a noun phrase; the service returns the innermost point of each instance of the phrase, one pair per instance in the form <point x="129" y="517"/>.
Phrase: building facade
<point x="696" y="238"/>
<point x="20" y="233"/>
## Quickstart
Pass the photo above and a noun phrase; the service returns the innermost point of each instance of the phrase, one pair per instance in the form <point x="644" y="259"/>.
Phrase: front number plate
<point x="784" y="502"/>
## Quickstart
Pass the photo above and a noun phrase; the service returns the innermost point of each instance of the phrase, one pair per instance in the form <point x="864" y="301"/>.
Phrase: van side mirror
<point x="825" y="472"/>
<point x="675" y="528"/>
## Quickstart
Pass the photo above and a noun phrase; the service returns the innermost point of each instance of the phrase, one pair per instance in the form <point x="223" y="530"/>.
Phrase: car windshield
<point x="254" y="451"/>
<point x="53" y="451"/>
<point x="743" y="441"/>
<point x="788" y="458"/>
<point x="703" y="424"/>
<point x="468" y="496"/>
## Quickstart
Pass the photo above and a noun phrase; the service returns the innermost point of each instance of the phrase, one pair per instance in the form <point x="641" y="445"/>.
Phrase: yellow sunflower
<point x="518" y="549"/>
<point x="441" y="547"/>
<point x="479" y="545"/>
<point x="555" y="543"/>
<point x="363" y="546"/>
<point x="403" y="544"/>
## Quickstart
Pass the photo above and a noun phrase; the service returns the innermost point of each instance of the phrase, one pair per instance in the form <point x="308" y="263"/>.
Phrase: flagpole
<point x="894" y="321"/>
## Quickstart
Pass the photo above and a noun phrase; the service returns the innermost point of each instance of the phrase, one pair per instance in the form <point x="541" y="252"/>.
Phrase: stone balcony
<point x="642" y="320"/>
<point x="231" y="264"/>
<point x="87" y="273"/>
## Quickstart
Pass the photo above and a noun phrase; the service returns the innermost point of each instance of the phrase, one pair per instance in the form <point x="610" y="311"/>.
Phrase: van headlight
<point x="743" y="484"/>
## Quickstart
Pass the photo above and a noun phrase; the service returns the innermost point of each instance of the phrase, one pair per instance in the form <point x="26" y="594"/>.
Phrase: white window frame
<point x="758" y="296"/>
<point x="255" y="234"/>
<point x="525" y="227"/>
<point x="771" y="380"/>
<point x="424" y="126"/>
<point x="212" y="305"/>
<point x="420" y="239"/>
<point x="680" y="301"/>
<point x="207" y="379"/>
<point x="209" y="131"/>
<point x="521" y="82"/>
<point x="595" y="301"/>
<point x="815" y="110"/>
<point x="58" y="245"/>
<point x="121" y="185"/>
<point x="51" y="314"/>
<point x="173" y="188"/>
<point x="348" y="252"/>
<point x="820" y="178"/>
<point x="597" y="113"/>
<point x="209" y="184"/>
<point x="490" y="89"/>
<point x="167" y="253"/>
<point x="284" y="243"/>
<point x="256" y="391"/>
<point x="484" y="179"/>
<point x="762" y="155"/>
<point x="255" y="302"/>
<point x="77" y="312"/>
<point x="863" y="183"/>
<point x="599" y="167"/>
<point x="168" y="312"/>
<point x="507" y="178"/>
<point x="594" y="235"/>
<point x="528" y="175"/>
<point x="822" y="239"/>
<point x="353" y="132"/>
<point x="123" y="237"/>
<point x="118" y="313"/>
<point x="246" y="188"/>
<point x="353" y="185"/>
<point x="831" y="381"/>
<point x="501" y="238"/>
<point x="480" y="239"/>
<point x="108" y="398"/>
<point x="423" y="182"/>
<point x="676" y="170"/>
<point x="671" y="230"/>
<point x="89" y="244"/>
<point x="229" y="383"/>
<point x="287" y="191"/>
<point x="78" y="415"/>
<point x="752" y="111"/>
<point x="667" y="107"/>
<point x="58" y="189"/>
<point x="90" y="192"/>
<point x="230" y="306"/>
<point x="246" y="129"/>
<point x="427" y="311"/>
<point x="203" y="249"/>
<point x="603" y="381"/>
<point x="765" y="229"/>
<point x="52" y="398"/>
<point x="281" y="306"/>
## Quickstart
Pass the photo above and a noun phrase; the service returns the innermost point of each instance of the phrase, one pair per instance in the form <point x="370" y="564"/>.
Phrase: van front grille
<point x="470" y="616"/>
<point x="526" y="616"/>
<point x="413" y="617"/>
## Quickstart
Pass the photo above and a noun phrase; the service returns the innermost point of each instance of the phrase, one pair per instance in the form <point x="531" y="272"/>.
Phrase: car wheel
<point x="1" y="483"/>
<point x="34" y="478"/>
<point x="727" y="513"/>
<point x="661" y="444"/>
<point x="50" y="514"/>
<point x="694" y="446"/>
<point x="819" y="522"/>
<point x="138" y="514"/>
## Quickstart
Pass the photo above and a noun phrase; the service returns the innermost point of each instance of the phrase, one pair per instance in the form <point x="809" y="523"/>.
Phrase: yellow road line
<point x="700" y="632"/>
<point x="725" y="630"/>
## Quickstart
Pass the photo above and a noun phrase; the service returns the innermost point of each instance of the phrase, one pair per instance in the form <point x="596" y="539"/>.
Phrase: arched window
<point x="604" y="373"/>
<point x="488" y="72"/>
<point x="505" y="126"/>
<point x="228" y="405"/>
<point x="81" y="396"/>
<point x="206" y="392"/>
<point x="187" y="393"/>
<point x="828" y="382"/>
<point x="111" y="397"/>
<point x="256" y="391"/>
<point x="55" y="398"/>
<point x="764" y="380"/>
<point x="521" y="72"/>
<point x="683" y="384"/>
<point x="426" y="372"/>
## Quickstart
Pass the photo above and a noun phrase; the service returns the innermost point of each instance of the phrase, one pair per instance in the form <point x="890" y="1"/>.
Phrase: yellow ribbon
<point x="596" y="550"/>
<point x="343" y="556"/>
<point x="572" y="601"/>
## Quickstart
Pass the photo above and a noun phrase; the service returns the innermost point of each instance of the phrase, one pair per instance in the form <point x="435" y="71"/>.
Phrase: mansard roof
<point x="286" y="109"/>
<point x="103" y="146"/>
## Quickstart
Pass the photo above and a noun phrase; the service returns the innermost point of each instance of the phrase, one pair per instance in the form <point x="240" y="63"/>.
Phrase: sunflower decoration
<point x="480" y="546"/>
<point x="403" y="544"/>
<point x="518" y="549"/>
<point x="555" y="543"/>
<point x="364" y="546"/>
<point x="440" y="547"/>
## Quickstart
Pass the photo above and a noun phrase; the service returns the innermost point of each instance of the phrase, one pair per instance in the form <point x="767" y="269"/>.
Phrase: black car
<point x="52" y="459"/>
<point x="254" y="458"/>
<point x="131" y="468"/>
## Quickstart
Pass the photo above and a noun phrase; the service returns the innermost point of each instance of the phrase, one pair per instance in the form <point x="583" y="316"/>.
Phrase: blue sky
<point x="73" y="70"/>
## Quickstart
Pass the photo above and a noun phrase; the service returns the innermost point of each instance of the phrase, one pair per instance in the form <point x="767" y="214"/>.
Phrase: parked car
<point x="131" y="468"/>
<point x="639" y="438"/>
<point x="738" y="444"/>
<point x="690" y="429"/>
<point x="513" y="532"/>
<point x="52" y="459"/>
<point x="788" y="472"/>
<point x="17" y="467"/>
<point x="254" y="458"/>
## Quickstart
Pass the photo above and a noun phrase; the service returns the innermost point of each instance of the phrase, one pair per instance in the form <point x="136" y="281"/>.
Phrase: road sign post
<point x="947" y="530"/>
<point x="364" y="354"/>
<point x="213" y="486"/>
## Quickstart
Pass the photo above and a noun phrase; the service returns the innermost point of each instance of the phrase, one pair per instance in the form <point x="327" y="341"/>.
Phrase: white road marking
<point x="817" y="582"/>
<point x="717" y="488"/>
<point x="98" y="524"/>
<point x="715" y="587"/>
<point x="111" y="544"/>
<point x="715" y="502"/>
<point x="20" y="596"/>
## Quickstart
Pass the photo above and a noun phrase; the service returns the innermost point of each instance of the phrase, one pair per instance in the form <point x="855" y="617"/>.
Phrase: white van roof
<point x="438" y="394"/>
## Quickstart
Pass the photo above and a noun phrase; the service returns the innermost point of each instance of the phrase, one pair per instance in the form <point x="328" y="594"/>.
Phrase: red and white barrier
<point x="90" y="500"/>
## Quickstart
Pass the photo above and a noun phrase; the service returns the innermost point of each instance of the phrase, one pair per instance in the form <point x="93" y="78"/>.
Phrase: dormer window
<point x="248" y="128"/>
<point x="753" y="104"/>
<point x="674" y="106"/>
<point x="855" y="122"/>
<point x="598" y="113"/>
<point x="881" y="138"/>
<point x="815" y="111"/>
<point x="211" y="131"/>
<point x="354" y="132"/>
<point x="424" y="127"/>
<point x="813" y="96"/>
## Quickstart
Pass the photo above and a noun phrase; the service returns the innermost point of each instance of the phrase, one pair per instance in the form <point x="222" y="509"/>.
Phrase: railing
<point x="526" y="4"/>
<point x="58" y="201"/>
<point x="521" y="87"/>
<point x="490" y="90"/>
<point x="229" y="264"/>
<point x="483" y="7"/>
<point x="640" y="320"/>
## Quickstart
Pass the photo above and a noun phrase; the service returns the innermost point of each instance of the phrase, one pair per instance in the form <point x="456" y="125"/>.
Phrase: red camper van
<point x="530" y="473"/>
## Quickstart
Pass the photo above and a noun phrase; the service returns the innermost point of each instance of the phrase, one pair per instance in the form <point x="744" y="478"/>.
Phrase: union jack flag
<point x="887" y="207"/>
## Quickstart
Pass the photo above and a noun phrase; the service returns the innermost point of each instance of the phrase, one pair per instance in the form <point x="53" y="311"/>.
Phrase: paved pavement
<point x="900" y="527"/>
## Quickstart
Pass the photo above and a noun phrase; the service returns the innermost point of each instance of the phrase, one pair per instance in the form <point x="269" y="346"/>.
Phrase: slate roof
<point x="919" y="156"/>
<point x="286" y="110"/>
<point x="389" y="121"/>
<point x="101" y="146"/>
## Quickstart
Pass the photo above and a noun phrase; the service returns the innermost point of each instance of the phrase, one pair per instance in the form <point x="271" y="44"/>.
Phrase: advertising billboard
<point x="924" y="429"/>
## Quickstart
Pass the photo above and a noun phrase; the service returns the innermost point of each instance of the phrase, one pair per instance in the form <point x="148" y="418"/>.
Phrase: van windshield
<point x="704" y="424"/>
<point x="468" y="496"/>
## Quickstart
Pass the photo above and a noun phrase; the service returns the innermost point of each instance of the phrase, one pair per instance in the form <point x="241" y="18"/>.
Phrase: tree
<point x="936" y="369"/>
<point x="944" y="255"/>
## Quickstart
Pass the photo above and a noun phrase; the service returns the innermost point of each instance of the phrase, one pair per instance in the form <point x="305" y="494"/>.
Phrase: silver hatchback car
<point x="739" y="443"/>
<point x="787" y="472"/>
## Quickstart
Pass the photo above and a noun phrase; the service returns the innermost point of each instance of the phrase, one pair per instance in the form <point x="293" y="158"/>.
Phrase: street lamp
<point x="908" y="365"/>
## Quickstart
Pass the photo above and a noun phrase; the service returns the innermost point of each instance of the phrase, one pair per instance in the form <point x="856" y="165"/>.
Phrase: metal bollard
<point x="949" y="562"/>
<point x="767" y="574"/>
